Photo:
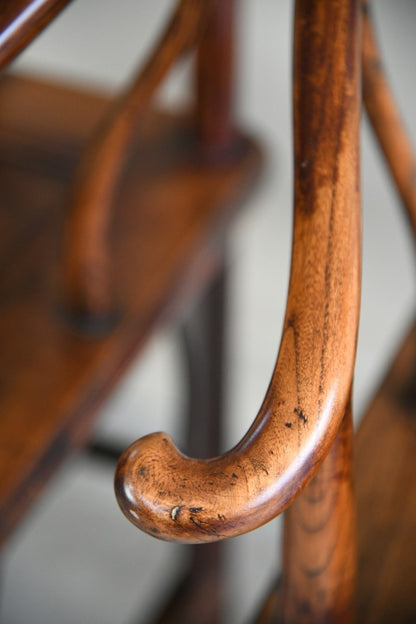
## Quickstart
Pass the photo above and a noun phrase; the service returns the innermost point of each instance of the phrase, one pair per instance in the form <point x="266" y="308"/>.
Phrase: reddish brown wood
<point x="215" y="81"/>
<point x="319" y="547"/>
<point x="88" y="275"/>
<point x="174" y="497"/>
<point x="386" y="122"/>
<point x="171" y="210"/>
<point x="21" y="21"/>
<point x="385" y="492"/>
<point x="385" y="452"/>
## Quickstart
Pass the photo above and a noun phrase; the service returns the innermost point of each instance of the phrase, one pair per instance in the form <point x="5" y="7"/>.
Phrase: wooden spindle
<point x="319" y="560"/>
<point x="175" y="497"/>
<point x="215" y="80"/>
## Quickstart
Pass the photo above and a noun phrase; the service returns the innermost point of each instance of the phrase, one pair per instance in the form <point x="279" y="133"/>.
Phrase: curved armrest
<point x="175" y="497"/>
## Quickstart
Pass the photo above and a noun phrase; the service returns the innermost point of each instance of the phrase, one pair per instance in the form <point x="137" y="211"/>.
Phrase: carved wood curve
<point x="178" y="498"/>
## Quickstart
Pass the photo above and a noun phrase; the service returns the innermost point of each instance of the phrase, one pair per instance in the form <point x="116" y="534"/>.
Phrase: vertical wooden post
<point x="199" y="597"/>
<point x="204" y="340"/>
<point x="215" y="80"/>
<point x="203" y="337"/>
<point x="319" y="556"/>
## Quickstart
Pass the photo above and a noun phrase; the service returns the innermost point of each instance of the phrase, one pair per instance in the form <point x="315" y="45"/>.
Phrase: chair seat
<point x="171" y="206"/>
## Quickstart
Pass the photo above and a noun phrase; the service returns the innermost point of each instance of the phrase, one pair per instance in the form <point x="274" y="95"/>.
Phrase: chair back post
<point x="319" y="552"/>
<point x="320" y="557"/>
<point x="215" y="80"/>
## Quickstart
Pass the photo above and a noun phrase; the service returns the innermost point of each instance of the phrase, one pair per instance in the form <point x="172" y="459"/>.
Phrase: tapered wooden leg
<point x="199" y="597"/>
<point x="319" y="558"/>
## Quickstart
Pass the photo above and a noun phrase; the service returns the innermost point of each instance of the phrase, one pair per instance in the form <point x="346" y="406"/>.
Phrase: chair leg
<point x="214" y="82"/>
<point x="319" y="555"/>
<point x="199" y="596"/>
<point x="319" y="550"/>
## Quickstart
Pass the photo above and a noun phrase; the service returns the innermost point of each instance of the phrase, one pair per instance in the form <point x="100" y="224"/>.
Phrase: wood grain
<point x="319" y="543"/>
<point x="386" y="121"/>
<point x="172" y="211"/>
<point x="175" y="497"/>
<point x="385" y="492"/>
<point x="88" y="275"/>
<point x="386" y="496"/>
<point x="21" y="21"/>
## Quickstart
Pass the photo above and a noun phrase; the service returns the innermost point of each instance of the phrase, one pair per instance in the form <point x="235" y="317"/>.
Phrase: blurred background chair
<point x="115" y="220"/>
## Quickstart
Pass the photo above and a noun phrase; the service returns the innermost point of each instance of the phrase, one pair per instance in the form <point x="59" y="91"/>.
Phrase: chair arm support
<point x="21" y="21"/>
<point x="386" y="121"/>
<point x="178" y="498"/>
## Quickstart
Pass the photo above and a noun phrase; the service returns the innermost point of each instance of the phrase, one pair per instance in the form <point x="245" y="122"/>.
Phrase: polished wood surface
<point x="319" y="542"/>
<point x="21" y="21"/>
<point x="172" y="182"/>
<point x="175" y="497"/>
<point x="172" y="209"/>
<point x="88" y="269"/>
<point x="200" y="595"/>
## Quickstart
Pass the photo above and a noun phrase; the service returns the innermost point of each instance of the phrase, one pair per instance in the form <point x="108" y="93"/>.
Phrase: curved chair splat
<point x="386" y="121"/>
<point x="178" y="498"/>
<point x="87" y="270"/>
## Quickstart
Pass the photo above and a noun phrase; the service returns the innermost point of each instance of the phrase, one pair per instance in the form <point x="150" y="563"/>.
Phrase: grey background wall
<point x="76" y="559"/>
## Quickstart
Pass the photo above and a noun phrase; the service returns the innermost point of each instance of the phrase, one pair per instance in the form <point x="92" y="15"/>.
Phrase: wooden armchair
<point x="171" y="182"/>
<point x="298" y="453"/>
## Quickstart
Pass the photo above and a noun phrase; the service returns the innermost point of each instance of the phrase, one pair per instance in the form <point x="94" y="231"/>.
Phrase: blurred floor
<point x="76" y="559"/>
